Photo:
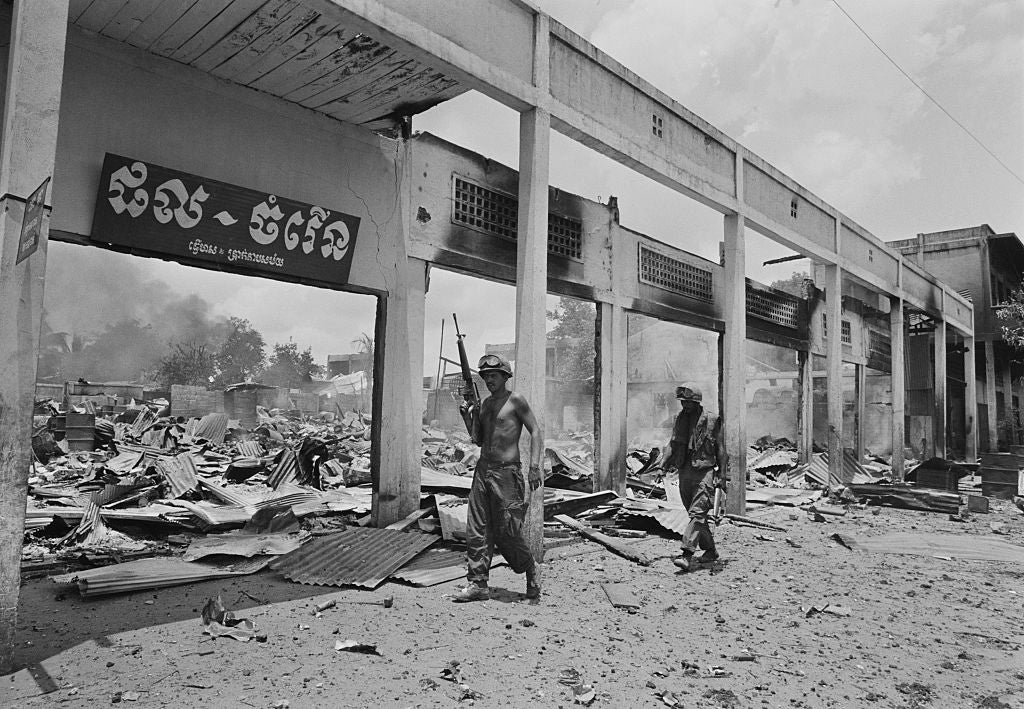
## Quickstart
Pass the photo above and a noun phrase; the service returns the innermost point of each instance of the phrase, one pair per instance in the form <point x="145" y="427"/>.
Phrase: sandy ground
<point x="921" y="632"/>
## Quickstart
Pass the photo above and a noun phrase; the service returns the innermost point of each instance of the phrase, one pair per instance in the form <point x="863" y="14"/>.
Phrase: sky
<point x="793" y="81"/>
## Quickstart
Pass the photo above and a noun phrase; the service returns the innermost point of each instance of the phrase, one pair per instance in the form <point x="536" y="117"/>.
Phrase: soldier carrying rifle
<point x="497" y="499"/>
<point x="697" y="452"/>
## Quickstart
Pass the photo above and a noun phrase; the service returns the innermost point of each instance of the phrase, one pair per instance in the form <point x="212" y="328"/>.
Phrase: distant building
<point x="984" y="266"/>
<point x="351" y="363"/>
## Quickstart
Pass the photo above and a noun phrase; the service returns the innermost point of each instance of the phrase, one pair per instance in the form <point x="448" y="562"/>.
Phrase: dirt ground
<point x="922" y="631"/>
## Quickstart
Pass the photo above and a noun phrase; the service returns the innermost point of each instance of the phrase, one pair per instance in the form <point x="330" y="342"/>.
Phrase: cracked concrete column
<point x="35" y="68"/>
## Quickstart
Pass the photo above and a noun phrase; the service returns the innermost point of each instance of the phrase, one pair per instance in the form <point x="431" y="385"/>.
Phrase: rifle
<point x="467" y="373"/>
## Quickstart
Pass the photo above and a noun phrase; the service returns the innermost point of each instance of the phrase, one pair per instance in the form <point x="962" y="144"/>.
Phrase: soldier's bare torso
<point x="500" y="427"/>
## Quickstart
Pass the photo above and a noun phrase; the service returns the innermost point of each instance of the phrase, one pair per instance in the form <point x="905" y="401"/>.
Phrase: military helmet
<point x="688" y="391"/>
<point x="494" y="363"/>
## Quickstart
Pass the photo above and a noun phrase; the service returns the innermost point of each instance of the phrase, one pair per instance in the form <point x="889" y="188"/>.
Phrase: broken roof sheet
<point x="359" y="556"/>
<point x="236" y="544"/>
<point x="671" y="518"/>
<point x="180" y="473"/>
<point x="212" y="428"/>
<point x="155" y="573"/>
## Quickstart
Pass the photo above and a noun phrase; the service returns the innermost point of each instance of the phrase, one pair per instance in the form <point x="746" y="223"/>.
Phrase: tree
<point x="794" y="285"/>
<point x="366" y="348"/>
<point x="1011" y="314"/>
<point x="291" y="368"/>
<point x="240" y="357"/>
<point x="574" y="334"/>
<point x="188" y="363"/>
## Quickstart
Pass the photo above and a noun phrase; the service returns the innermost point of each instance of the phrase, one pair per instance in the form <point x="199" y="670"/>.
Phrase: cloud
<point x="800" y="85"/>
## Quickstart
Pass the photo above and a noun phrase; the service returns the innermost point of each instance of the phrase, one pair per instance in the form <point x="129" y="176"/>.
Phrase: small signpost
<point x="32" y="224"/>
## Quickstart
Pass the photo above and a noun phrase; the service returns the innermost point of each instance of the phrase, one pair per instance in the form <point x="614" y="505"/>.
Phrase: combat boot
<point x="472" y="592"/>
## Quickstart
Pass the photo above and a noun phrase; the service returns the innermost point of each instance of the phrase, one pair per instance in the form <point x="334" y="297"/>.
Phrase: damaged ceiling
<point x="279" y="47"/>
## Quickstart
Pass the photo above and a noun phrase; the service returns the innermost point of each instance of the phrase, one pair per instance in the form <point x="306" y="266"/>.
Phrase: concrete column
<point x="970" y="402"/>
<point x="805" y="407"/>
<point x="531" y="289"/>
<point x="610" y="401"/>
<point x="897" y="348"/>
<point x="398" y="388"/>
<point x="990" y="396"/>
<point x="35" y="66"/>
<point x="734" y="375"/>
<point x="939" y="412"/>
<point x="834" y="370"/>
<point x="858" y="433"/>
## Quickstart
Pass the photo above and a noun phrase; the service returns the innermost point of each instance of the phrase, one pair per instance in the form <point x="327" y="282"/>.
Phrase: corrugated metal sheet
<point x="436" y="566"/>
<point x="286" y="470"/>
<point x="360" y="556"/>
<point x="817" y="471"/>
<point x="273" y="544"/>
<point x="673" y="519"/>
<point x="180" y="473"/>
<point x="212" y="428"/>
<point x="154" y="573"/>
<point x="218" y="515"/>
<point x="125" y="461"/>
<point x="775" y="459"/>
<point x="250" y="449"/>
<point x="230" y="495"/>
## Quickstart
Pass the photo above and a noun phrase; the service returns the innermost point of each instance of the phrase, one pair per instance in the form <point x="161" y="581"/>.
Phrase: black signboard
<point x="32" y="223"/>
<point x="162" y="210"/>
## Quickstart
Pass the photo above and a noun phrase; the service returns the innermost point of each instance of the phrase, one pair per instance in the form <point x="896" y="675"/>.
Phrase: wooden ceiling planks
<point x="395" y="66"/>
<point x="298" y="18"/>
<point x="289" y="48"/>
<point x="96" y="16"/>
<point x="157" y="23"/>
<point x="314" y="61"/>
<point x="263" y="20"/>
<point x="281" y="47"/>
<point x="129" y="17"/>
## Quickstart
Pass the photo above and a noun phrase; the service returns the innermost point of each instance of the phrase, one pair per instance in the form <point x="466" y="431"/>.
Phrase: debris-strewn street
<point x="931" y="630"/>
<point x="197" y="562"/>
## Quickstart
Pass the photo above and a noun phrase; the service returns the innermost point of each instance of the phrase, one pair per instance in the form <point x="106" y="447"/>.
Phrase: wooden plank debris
<point x="620" y="595"/>
<point x="909" y="498"/>
<point x="575" y="505"/>
<point x="623" y="550"/>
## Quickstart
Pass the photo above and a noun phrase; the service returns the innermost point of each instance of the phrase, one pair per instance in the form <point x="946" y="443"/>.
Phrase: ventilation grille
<point x="879" y="351"/>
<point x="674" y="275"/>
<point x="497" y="213"/>
<point x="773" y="307"/>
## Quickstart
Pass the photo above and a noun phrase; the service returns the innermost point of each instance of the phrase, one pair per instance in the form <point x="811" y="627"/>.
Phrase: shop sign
<point x="157" y="209"/>
<point x="32" y="222"/>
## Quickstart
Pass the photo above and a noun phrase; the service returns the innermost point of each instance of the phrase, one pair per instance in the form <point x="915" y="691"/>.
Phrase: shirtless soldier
<point x="497" y="500"/>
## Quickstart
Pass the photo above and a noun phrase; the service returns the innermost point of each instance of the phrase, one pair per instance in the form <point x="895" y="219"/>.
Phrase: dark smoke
<point x="122" y="322"/>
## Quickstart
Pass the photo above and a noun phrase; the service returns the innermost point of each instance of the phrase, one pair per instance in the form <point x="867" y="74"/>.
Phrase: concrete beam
<point x="35" y="66"/>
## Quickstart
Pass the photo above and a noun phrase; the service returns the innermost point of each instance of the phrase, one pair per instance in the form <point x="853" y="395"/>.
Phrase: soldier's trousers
<point x="697" y="488"/>
<point x="497" y="508"/>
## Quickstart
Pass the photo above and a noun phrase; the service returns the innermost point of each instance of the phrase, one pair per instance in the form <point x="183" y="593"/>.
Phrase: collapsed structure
<point x="275" y="140"/>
